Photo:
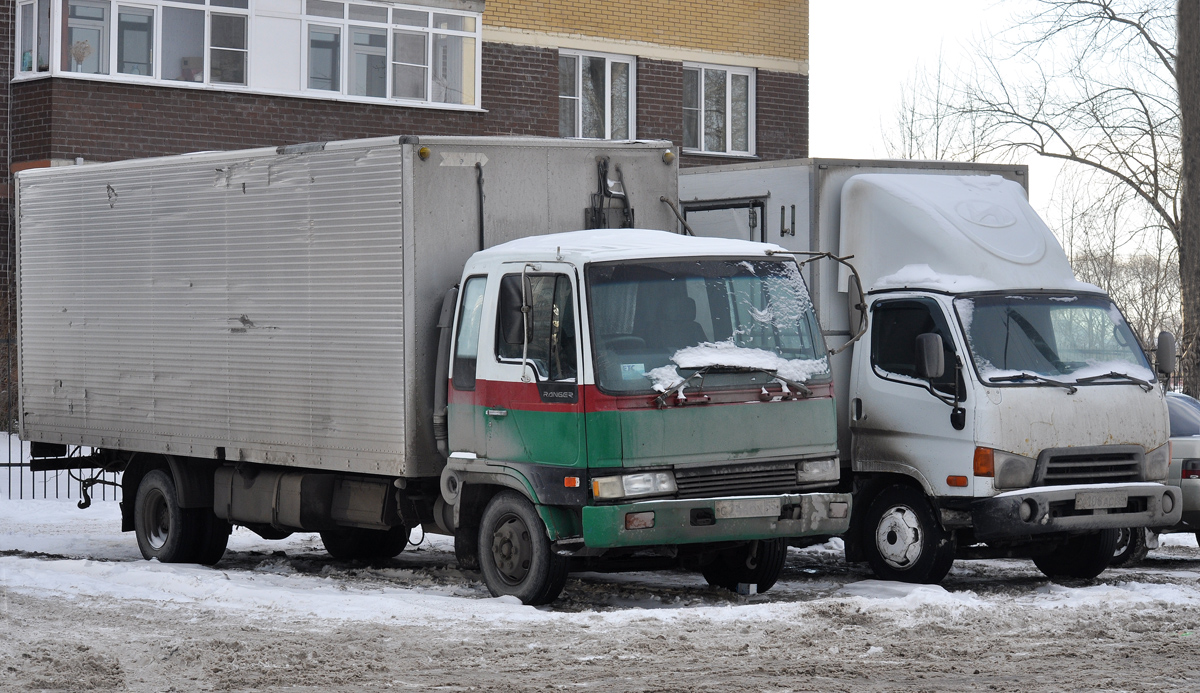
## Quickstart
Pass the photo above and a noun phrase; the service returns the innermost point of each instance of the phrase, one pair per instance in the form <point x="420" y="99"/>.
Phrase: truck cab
<point x="991" y="404"/>
<point x="626" y="395"/>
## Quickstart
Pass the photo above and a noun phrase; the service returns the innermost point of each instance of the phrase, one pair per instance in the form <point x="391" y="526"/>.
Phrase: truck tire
<point x="903" y="540"/>
<point x="515" y="555"/>
<point x="734" y="566"/>
<point x="164" y="530"/>
<point x="355" y="544"/>
<point x="1131" y="547"/>
<point x="214" y="536"/>
<point x="1082" y="557"/>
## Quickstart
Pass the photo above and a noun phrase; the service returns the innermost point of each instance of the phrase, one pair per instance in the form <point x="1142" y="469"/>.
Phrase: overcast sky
<point x="862" y="51"/>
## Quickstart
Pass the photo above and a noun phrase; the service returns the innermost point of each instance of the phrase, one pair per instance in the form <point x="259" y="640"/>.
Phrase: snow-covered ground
<point x="79" y="609"/>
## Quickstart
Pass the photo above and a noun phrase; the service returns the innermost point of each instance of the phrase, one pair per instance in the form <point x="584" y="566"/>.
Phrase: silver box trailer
<point x="279" y="305"/>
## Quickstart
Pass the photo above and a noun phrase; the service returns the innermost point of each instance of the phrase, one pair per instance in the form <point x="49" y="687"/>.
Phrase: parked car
<point x="1184" y="413"/>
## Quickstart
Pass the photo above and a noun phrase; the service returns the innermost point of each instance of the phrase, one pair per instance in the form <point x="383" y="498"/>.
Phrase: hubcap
<point x="899" y="537"/>
<point x="156" y="519"/>
<point x="512" y="549"/>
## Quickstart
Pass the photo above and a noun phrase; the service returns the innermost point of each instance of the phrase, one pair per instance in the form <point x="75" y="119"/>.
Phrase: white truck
<point x="356" y="338"/>
<point x="994" y="406"/>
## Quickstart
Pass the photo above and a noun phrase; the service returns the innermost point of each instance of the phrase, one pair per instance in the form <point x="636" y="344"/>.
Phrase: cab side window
<point x="466" y="345"/>
<point x="550" y="327"/>
<point x="895" y="326"/>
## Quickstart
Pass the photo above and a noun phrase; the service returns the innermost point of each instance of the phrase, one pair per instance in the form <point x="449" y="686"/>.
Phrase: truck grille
<point x="736" y="480"/>
<point x="1093" y="468"/>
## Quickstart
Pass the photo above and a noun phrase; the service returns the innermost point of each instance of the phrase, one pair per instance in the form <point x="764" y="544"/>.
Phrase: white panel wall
<point x="275" y="60"/>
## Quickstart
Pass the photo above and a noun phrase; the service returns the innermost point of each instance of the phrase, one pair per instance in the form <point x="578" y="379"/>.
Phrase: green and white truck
<point x="356" y="338"/>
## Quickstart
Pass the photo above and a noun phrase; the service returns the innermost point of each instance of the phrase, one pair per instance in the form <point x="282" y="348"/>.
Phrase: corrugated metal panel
<point x="253" y="303"/>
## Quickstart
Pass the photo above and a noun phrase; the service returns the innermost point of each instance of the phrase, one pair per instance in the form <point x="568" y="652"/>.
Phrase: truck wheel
<point x="355" y="544"/>
<point x="214" y="536"/>
<point x="1082" y="557"/>
<point x="515" y="555"/>
<point x="1131" y="547"/>
<point x="164" y="530"/>
<point x="735" y="566"/>
<point x="903" y="540"/>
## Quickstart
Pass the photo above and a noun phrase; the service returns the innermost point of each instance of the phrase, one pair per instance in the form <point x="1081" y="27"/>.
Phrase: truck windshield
<point x="1069" y="338"/>
<point x="744" y="322"/>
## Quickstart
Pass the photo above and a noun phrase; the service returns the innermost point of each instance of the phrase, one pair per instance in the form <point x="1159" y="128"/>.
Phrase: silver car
<point x="1184" y="472"/>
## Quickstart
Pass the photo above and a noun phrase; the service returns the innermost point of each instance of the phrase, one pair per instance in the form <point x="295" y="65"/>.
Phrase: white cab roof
<point x="949" y="233"/>
<point x="603" y="245"/>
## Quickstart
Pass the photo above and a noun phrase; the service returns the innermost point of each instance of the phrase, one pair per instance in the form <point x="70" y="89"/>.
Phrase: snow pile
<point x="925" y="277"/>
<point x="731" y="355"/>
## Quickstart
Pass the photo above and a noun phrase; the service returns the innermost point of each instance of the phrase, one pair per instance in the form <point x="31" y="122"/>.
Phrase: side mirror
<point x="1164" y="355"/>
<point x="931" y="361"/>
<point x="512" y="327"/>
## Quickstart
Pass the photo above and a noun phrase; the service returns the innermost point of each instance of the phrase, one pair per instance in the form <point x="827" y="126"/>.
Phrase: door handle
<point x="496" y="412"/>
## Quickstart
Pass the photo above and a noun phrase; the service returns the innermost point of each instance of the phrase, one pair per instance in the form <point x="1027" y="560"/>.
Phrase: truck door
<point x="464" y="404"/>
<point x="533" y="405"/>
<point x="896" y="417"/>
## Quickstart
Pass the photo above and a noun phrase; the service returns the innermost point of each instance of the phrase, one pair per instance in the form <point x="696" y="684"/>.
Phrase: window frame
<point x="347" y="26"/>
<point x="609" y="59"/>
<point x="470" y="44"/>
<point x="751" y="110"/>
<point x="576" y="327"/>
<point x="943" y="327"/>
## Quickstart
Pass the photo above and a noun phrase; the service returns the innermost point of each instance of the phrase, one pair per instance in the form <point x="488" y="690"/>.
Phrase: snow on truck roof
<point x="600" y="245"/>
<point x="949" y="233"/>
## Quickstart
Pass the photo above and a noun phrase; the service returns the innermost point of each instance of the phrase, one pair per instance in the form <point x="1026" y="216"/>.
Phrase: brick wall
<point x="775" y="28"/>
<point x="660" y="100"/>
<point x="99" y="121"/>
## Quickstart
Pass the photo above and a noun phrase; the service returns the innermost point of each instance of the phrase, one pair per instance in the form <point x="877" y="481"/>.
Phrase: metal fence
<point x="19" y="482"/>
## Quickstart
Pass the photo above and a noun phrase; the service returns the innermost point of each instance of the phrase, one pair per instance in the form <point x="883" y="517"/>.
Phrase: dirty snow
<point x="81" y="610"/>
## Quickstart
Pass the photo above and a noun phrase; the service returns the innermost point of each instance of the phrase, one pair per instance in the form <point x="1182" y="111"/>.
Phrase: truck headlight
<point x="633" y="485"/>
<point x="1158" y="461"/>
<point x="809" y="471"/>
<point x="1013" y="471"/>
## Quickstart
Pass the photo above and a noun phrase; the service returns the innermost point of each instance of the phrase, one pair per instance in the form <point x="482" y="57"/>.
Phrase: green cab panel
<point x="711" y="433"/>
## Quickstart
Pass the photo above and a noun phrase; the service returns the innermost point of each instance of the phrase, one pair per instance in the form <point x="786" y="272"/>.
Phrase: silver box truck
<point x="276" y="338"/>
<point x="994" y="406"/>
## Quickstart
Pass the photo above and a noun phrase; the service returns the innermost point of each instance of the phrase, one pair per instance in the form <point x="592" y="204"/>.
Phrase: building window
<point x="718" y="109"/>
<point x="135" y="41"/>
<point x="33" y="36"/>
<point x="85" y="48"/>
<point x="595" y="96"/>
<point x="433" y="55"/>
<point x="359" y="51"/>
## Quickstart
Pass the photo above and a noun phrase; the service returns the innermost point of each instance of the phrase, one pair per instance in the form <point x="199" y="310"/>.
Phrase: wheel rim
<point x="156" y="519"/>
<point x="899" y="537"/>
<point x="1124" y="537"/>
<point x="512" y="549"/>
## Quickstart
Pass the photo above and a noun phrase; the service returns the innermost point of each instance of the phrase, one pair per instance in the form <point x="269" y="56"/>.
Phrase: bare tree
<point x="1188" y="231"/>
<point x="1093" y="83"/>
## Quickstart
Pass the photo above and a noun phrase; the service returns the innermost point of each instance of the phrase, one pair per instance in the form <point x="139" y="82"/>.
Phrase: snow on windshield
<point x="730" y="355"/>
<point x="1064" y="338"/>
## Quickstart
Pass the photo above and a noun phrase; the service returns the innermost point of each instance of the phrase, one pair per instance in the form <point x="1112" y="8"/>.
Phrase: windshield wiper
<point x="1071" y="389"/>
<point x="1144" y="384"/>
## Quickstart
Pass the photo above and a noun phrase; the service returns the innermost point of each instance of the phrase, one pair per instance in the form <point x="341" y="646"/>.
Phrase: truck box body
<point x="277" y="305"/>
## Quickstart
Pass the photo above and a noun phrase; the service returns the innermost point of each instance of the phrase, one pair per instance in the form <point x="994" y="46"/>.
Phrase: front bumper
<point x="702" y="520"/>
<point x="1051" y="509"/>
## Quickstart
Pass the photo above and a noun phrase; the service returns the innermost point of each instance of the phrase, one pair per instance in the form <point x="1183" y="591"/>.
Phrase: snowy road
<point x="80" y="610"/>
